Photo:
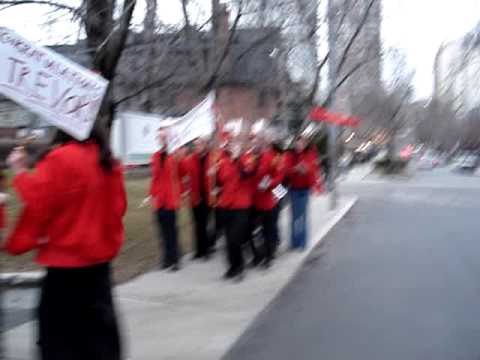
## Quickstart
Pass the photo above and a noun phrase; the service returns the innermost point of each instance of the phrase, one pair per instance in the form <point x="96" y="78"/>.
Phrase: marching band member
<point x="254" y="150"/>
<point x="165" y="195"/>
<point x="270" y="175"/>
<point x="235" y="176"/>
<point x="193" y="169"/>
<point x="215" y="154"/>
<point x="73" y="205"/>
<point x="303" y="169"/>
<point x="3" y="202"/>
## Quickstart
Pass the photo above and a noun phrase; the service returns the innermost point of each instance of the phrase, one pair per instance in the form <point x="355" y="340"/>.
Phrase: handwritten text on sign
<point x="64" y="93"/>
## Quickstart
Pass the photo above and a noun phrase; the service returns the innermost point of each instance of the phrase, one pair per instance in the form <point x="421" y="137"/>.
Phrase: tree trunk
<point x="150" y="24"/>
<point x="106" y="43"/>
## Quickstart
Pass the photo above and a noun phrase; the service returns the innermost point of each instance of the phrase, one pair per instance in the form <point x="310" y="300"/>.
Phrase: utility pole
<point x="332" y="129"/>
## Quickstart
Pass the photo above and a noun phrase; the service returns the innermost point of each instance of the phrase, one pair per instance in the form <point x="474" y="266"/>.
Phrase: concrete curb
<point x="22" y="279"/>
<point x="332" y="222"/>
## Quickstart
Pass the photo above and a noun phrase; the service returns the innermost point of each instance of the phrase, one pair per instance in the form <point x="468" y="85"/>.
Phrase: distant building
<point x="457" y="73"/>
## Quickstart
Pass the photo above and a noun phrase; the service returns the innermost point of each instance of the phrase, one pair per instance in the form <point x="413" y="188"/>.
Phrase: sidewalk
<point x="357" y="173"/>
<point x="194" y="314"/>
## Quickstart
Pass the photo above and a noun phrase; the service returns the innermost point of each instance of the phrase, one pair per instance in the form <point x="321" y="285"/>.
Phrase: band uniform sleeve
<point x="37" y="192"/>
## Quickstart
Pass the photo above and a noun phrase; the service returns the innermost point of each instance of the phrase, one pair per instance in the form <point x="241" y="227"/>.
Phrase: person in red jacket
<point x="73" y="205"/>
<point x="165" y="193"/>
<point x="235" y="177"/>
<point x="193" y="167"/>
<point x="3" y="203"/>
<point x="215" y="154"/>
<point x="270" y="175"/>
<point x="302" y="172"/>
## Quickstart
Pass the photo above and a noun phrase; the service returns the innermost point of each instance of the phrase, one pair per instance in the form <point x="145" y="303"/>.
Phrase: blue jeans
<point x="299" y="218"/>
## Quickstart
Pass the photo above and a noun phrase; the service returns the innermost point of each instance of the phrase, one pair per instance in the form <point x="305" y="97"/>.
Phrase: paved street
<point x="397" y="278"/>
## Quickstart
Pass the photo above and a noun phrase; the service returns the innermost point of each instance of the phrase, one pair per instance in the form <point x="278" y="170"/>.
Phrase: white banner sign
<point x="198" y="122"/>
<point x="64" y="93"/>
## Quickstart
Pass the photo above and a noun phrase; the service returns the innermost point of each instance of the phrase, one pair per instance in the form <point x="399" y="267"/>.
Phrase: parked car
<point x="427" y="162"/>
<point x="469" y="163"/>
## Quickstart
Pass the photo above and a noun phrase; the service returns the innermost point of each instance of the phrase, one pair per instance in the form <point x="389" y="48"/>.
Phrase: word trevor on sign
<point x="322" y="114"/>
<point x="64" y="93"/>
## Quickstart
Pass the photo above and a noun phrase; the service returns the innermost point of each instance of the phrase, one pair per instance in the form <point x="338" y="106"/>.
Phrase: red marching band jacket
<point x="193" y="178"/>
<point x="72" y="209"/>
<point x="310" y="177"/>
<point x="270" y="173"/>
<point x="165" y="187"/>
<point x="210" y="176"/>
<point x="236" y="178"/>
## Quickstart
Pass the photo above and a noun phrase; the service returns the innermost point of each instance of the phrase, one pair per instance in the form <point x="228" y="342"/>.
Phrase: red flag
<point x="321" y="114"/>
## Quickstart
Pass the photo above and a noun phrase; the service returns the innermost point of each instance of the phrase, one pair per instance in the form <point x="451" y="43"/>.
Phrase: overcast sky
<point x="416" y="26"/>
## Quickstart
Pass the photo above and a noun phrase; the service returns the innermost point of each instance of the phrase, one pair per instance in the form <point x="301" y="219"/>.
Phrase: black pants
<point x="276" y="236"/>
<point x="200" y="214"/>
<point x="253" y="222"/>
<point x="270" y="232"/>
<point x="167" y="221"/>
<point x="77" y="319"/>
<point x="236" y="227"/>
<point x="219" y="225"/>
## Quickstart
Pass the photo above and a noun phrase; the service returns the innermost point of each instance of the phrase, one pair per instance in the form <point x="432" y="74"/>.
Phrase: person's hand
<point x="264" y="184"/>
<point x="17" y="160"/>
<point x="145" y="202"/>
<point x="212" y="170"/>
<point x="4" y="198"/>
<point x="301" y="168"/>
<point x="185" y="194"/>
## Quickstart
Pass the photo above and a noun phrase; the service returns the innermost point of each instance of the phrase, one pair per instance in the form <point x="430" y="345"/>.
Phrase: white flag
<point x="198" y="122"/>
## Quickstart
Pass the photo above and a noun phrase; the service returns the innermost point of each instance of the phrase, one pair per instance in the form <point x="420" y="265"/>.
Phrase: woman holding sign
<point x="73" y="205"/>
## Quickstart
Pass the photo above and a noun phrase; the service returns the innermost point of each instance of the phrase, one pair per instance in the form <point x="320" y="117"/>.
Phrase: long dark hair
<point x="98" y="135"/>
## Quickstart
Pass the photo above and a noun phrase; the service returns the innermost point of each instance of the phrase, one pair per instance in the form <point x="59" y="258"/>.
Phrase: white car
<point x="427" y="162"/>
<point x="468" y="163"/>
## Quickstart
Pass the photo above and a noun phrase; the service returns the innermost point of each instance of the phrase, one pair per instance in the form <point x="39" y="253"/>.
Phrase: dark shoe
<point x="229" y="274"/>
<point x="175" y="267"/>
<point x="257" y="260"/>
<point x="235" y="274"/>
<point x="239" y="276"/>
<point x="267" y="264"/>
<point x="165" y="266"/>
<point x="196" y="257"/>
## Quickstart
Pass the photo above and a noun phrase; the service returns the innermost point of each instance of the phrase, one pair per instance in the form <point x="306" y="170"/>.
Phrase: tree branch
<point x="350" y="43"/>
<point x="151" y="85"/>
<point x="59" y="6"/>
<point x="214" y="75"/>
<point x="352" y="71"/>
<point x="108" y="56"/>
<point x="316" y="81"/>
